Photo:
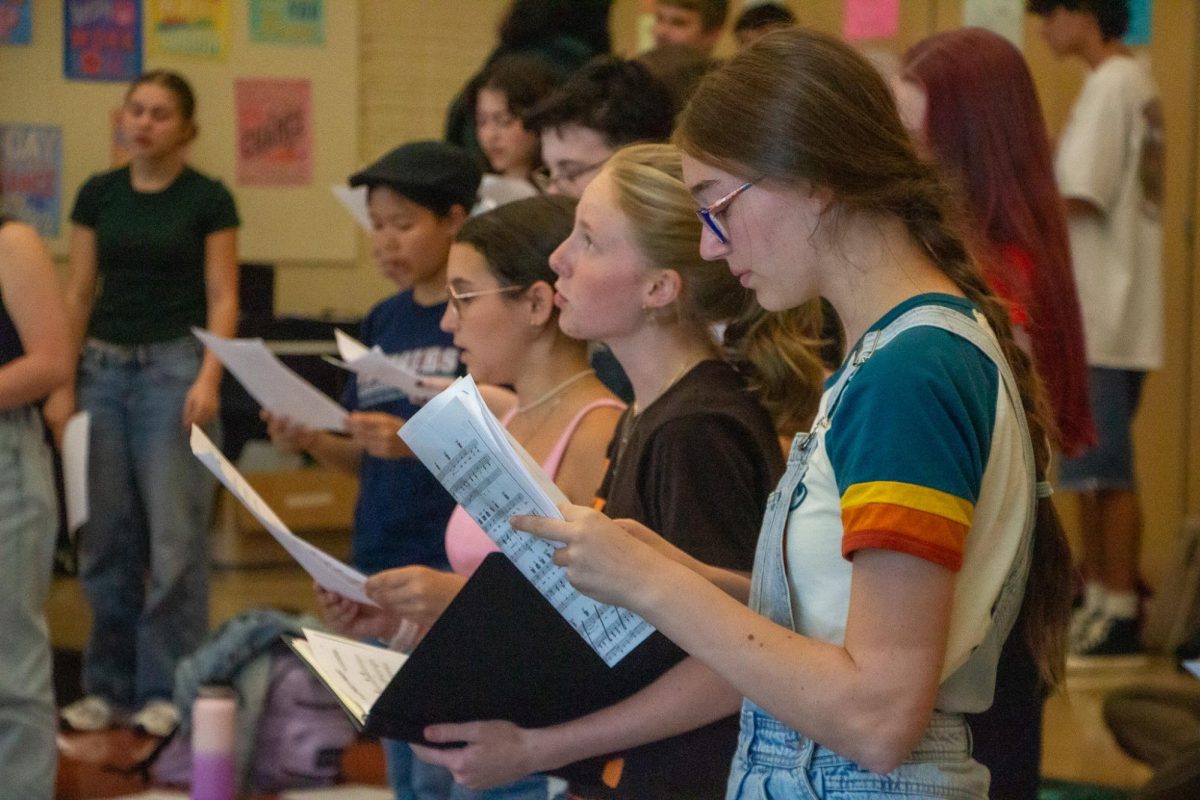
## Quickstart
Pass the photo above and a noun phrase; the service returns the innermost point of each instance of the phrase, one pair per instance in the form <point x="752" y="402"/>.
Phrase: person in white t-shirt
<point x="1109" y="168"/>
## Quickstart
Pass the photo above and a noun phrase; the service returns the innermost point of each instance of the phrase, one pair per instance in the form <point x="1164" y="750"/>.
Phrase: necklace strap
<point x="553" y="391"/>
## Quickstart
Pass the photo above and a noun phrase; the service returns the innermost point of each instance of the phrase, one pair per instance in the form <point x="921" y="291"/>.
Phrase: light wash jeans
<point x="28" y="527"/>
<point x="143" y="554"/>
<point x="774" y="761"/>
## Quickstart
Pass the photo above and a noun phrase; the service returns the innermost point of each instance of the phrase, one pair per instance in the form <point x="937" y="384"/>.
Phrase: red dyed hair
<point x="985" y="127"/>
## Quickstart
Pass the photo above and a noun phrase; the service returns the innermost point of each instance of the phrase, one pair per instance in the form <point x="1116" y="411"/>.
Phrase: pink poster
<point x="871" y="19"/>
<point x="274" y="133"/>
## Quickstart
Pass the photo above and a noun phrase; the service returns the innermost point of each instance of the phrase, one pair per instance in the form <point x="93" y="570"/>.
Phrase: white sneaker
<point x="157" y="718"/>
<point x="92" y="713"/>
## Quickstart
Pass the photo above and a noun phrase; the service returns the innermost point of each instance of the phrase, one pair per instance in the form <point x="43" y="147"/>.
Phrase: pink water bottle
<point x="213" y="716"/>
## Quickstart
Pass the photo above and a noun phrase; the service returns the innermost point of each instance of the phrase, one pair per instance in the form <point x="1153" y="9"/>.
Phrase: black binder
<point x="501" y="651"/>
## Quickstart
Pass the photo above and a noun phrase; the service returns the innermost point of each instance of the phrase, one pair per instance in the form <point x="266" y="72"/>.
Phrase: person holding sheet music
<point x="694" y="457"/>
<point x="419" y="195"/>
<point x="502" y="316"/>
<point x="153" y="253"/>
<point x="910" y="526"/>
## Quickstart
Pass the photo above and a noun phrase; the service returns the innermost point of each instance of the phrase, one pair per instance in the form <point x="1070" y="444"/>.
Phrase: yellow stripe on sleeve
<point x="909" y="495"/>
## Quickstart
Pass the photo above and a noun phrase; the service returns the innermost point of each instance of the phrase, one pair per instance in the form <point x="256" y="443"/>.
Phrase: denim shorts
<point x="1115" y="395"/>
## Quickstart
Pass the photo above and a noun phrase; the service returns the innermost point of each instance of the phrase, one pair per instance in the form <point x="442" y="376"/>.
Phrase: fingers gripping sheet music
<point x="324" y="568"/>
<point x="491" y="476"/>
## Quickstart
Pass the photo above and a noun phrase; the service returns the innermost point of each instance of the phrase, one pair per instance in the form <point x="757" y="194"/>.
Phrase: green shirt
<point x="150" y="253"/>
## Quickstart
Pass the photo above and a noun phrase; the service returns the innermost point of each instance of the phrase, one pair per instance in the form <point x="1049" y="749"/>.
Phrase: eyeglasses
<point x="544" y="177"/>
<point x="457" y="299"/>
<point x="709" y="214"/>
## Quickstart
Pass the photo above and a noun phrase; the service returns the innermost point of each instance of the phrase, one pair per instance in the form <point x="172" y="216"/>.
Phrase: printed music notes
<point x="491" y="476"/>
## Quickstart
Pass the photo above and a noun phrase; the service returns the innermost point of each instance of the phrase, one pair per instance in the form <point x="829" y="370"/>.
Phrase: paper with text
<point x="273" y="385"/>
<point x="491" y="476"/>
<point x="324" y="568"/>
<point x="76" y="439"/>
<point x="376" y="365"/>
<point x="357" y="673"/>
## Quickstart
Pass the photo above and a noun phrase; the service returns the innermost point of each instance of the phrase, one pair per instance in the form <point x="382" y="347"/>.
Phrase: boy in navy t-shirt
<point x="418" y="196"/>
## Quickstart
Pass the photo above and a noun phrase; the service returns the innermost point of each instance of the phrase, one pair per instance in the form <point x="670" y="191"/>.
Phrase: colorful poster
<point x="871" y="19"/>
<point x="1005" y="17"/>
<point x="274" y="133"/>
<point x="31" y="175"/>
<point x="1140" y="16"/>
<point x="102" y="40"/>
<point x="287" y="21"/>
<point x="188" y="28"/>
<point x="16" y="21"/>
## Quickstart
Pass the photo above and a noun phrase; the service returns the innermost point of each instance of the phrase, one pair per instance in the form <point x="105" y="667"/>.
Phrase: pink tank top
<point x="466" y="543"/>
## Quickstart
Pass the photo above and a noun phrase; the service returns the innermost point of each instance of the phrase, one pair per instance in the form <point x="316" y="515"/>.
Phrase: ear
<point x="665" y="287"/>
<point x="541" y="303"/>
<point x="455" y="218"/>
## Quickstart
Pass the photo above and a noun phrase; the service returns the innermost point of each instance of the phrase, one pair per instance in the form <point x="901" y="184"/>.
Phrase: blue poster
<point x="102" y="40"/>
<point x="31" y="175"/>
<point x="16" y="21"/>
<point x="1139" y="23"/>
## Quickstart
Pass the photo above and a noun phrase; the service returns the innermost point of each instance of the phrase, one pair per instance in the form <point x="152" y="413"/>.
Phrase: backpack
<point x="291" y="732"/>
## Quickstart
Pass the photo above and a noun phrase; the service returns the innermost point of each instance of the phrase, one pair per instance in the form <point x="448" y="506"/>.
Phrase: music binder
<point x="501" y="651"/>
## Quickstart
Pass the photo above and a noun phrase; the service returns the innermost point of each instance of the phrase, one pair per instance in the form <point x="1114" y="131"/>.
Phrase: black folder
<point x="501" y="651"/>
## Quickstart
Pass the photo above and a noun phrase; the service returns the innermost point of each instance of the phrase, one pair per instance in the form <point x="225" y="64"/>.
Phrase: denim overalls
<point x="774" y="761"/>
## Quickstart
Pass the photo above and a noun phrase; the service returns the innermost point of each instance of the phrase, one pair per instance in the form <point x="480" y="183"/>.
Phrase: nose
<point x="449" y="321"/>
<point x="558" y="259"/>
<point x="712" y="248"/>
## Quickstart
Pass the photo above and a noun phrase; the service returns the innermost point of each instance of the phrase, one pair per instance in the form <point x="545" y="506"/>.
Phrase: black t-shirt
<point x="696" y="466"/>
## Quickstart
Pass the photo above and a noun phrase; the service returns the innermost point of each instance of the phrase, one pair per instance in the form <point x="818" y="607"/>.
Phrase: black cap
<point x="433" y="174"/>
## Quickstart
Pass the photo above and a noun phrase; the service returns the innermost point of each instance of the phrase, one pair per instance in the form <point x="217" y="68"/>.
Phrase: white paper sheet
<point x="491" y="476"/>
<point x="354" y="200"/>
<point x="273" y="385"/>
<point x="324" y="568"/>
<point x="75" y="467"/>
<point x="357" y="673"/>
<point x="1193" y="666"/>
<point x="376" y="365"/>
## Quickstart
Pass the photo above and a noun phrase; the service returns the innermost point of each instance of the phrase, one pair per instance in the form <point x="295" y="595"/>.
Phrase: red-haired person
<point x="969" y="101"/>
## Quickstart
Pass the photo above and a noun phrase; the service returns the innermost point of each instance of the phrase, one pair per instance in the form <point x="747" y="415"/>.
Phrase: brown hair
<point x="776" y="351"/>
<point x="174" y="83"/>
<point x="810" y="110"/>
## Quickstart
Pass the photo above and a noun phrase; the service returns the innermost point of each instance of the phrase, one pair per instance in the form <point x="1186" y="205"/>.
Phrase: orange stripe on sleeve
<point x="892" y="527"/>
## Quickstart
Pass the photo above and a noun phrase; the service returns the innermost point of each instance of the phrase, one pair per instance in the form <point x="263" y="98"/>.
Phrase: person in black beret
<point x="419" y="195"/>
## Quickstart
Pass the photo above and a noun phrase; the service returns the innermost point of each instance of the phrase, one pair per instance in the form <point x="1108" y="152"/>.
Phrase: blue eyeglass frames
<point x="708" y="214"/>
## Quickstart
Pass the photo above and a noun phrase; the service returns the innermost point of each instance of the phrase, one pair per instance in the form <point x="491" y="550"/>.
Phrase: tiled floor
<point x="1077" y="745"/>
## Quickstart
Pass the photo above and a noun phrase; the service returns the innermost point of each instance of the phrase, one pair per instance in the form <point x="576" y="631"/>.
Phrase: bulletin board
<point x="297" y="222"/>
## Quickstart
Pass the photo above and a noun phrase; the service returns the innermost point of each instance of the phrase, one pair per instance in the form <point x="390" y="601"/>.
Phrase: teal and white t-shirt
<point x="923" y="455"/>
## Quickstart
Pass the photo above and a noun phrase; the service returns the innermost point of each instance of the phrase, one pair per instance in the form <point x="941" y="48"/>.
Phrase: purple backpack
<point x="299" y="736"/>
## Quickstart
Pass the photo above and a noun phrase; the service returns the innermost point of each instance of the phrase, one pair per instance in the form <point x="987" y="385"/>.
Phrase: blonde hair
<point x="775" y="351"/>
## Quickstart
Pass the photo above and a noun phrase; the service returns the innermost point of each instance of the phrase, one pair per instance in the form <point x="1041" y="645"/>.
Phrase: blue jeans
<point x="143" y="554"/>
<point x="28" y="527"/>
<point x="774" y="761"/>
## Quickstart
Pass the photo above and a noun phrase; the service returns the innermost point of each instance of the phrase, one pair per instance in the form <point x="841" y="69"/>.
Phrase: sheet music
<point x="357" y="673"/>
<point x="76" y="441"/>
<point x="273" y="385"/>
<point x="324" y="568"/>
<point x="491" y="476"/>
<point x="373" y="363"/>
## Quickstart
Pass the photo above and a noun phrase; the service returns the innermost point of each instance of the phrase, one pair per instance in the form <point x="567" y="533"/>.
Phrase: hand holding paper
<point x="494" y="479"/>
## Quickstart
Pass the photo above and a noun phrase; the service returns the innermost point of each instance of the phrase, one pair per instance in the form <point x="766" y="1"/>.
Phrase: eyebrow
<point x="698" y="188"/>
